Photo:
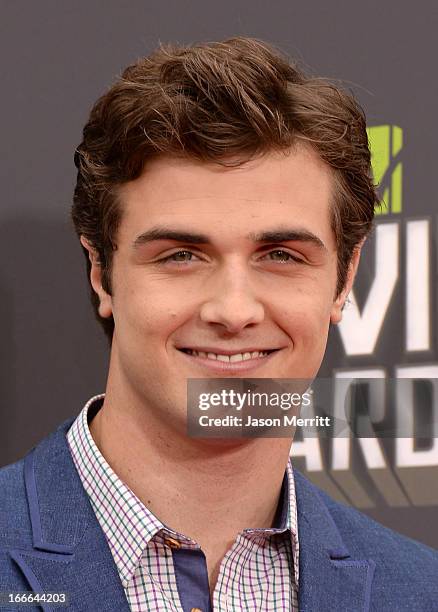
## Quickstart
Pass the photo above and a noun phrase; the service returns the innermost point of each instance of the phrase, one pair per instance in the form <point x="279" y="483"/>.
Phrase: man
<point x="222" y="201"/>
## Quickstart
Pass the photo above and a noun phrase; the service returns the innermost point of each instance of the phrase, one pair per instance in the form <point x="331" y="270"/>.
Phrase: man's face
<point x="221" y="272"/>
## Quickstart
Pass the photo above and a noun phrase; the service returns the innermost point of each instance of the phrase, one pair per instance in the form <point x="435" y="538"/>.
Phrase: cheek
<point x="309" y="326"/>
<point x="148" y="311"/>
<point x="306" y="318"/>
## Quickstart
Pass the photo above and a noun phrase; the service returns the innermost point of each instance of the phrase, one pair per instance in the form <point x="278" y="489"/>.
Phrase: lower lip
<point x="223" y="367"/>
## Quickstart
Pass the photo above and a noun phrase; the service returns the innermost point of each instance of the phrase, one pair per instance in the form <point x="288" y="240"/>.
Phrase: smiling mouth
<point x="231" y="358"/>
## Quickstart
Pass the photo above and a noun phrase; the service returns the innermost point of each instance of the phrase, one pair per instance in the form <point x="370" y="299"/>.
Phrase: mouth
<point x="229" y="357"/>
<point x="225" y="360"/>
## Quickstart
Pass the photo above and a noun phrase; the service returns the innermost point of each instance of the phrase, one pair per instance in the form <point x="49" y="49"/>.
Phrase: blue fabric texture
<point x="192" y="579"/>
<point x="50" y="540"/>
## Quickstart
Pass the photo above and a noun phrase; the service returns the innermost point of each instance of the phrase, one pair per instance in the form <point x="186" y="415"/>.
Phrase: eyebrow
<point x="271" y="236"/>
<point x="286" y="235"/>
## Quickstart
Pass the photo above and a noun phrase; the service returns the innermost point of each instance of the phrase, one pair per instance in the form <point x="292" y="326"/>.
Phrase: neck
<point x="208" y="490"/>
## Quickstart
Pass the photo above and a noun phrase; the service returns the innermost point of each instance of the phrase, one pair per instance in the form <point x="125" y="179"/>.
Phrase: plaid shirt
<point x="259" y="572"/>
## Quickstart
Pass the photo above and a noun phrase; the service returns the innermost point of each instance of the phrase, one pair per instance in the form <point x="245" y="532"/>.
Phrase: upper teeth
<point x="229" y="358"/>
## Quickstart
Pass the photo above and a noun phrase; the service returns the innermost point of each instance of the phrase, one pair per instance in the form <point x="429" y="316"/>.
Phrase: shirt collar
<point x="127" y="523"/>
<point x="285" y="518"/>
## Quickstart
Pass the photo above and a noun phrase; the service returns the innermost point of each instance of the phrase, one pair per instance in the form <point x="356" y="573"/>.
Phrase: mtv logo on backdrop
<point x="386" y="142"/>
<point x="401" y="471"/>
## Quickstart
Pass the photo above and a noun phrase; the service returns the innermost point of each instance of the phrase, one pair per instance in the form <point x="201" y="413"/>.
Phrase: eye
<point x="181" y="256"/>
<point x="283" y="256"/>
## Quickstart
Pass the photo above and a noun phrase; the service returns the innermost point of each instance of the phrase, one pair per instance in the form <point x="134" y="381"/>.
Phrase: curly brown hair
<point x="225" y="102"/>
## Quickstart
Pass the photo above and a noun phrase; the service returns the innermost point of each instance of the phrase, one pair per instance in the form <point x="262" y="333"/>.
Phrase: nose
<point x="232" y="304"/>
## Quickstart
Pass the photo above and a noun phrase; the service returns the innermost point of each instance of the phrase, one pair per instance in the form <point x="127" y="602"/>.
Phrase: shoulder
<point x="361" y="532"/>
<point x="15" y="527"/>
<point x="15" y="524"/>
<point x="14" y="514"/>
<point x="365" y="538"/>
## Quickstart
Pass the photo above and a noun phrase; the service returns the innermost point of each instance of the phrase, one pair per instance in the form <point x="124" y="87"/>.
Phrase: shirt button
<point x="173" y="544"/>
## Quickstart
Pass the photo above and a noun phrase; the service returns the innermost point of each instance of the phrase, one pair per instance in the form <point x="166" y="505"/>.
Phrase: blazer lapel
<point x="70" y="553"/>
<point x="329" y="578"/>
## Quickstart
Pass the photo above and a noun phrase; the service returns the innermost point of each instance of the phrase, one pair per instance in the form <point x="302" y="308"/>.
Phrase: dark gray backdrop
<point x="56" y="58"/>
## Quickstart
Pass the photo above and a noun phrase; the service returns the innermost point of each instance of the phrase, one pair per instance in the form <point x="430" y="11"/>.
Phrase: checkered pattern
<point x="260" y="572"/>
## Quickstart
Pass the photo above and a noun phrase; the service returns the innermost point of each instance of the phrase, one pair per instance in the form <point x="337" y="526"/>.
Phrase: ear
<point x="338" y="304"/>
<point x="105" y="301"/>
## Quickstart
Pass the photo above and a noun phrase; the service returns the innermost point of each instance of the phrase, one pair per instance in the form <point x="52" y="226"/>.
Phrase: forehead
<point x="293" y="189"/>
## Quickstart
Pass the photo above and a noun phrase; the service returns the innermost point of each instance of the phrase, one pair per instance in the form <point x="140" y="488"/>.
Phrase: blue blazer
<point x="51" y="541"/>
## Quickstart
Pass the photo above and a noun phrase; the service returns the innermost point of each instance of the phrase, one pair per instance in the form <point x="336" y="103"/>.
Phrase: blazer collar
<point x="329" y="578"/>
<point x="70" y="552"/>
